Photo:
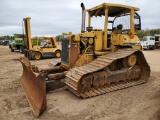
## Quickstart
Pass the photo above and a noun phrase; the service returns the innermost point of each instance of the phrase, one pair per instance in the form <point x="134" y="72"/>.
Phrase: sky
<point x="52" y="17"/>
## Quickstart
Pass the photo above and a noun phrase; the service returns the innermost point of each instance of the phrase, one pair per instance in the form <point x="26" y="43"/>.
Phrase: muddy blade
<point x="34" y="88"/>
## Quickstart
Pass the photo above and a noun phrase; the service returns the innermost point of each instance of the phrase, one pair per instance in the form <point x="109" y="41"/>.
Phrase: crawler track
<point x="81" y="80"/>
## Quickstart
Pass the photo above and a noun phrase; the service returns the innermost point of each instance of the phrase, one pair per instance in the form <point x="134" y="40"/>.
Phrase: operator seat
<point x="118" y="29"/>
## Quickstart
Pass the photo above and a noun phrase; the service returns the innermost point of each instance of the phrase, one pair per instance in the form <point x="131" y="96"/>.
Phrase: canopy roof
<point x="113" y="9"/>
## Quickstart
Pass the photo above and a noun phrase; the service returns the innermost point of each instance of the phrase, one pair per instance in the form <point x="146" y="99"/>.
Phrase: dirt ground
<point x="136" y="103"/>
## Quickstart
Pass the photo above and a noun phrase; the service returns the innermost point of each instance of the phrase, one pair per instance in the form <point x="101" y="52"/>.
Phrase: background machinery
<point x="148" y="42"/>
<point x="48" y="46"/>
<point x="93" y="62"/>
<point x="19" y="43"/>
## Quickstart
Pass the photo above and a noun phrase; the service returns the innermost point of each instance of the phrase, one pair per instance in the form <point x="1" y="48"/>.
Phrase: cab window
<point x="145" y="39"/>
<point x="151" y="38"/>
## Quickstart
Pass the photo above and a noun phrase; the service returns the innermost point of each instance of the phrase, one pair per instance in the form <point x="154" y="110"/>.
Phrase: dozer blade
<point x="34" y="87"/>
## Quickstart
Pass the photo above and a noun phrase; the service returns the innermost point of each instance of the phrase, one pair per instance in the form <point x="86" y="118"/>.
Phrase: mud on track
<point x="136" y="103"/>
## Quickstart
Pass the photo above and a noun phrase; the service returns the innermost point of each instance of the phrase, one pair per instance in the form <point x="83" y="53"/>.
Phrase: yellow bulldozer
<point x="48" y="47"/>
<point x="93" y="62"/>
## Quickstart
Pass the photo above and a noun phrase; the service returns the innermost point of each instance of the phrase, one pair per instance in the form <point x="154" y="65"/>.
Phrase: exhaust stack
<point x="83" y="18"/>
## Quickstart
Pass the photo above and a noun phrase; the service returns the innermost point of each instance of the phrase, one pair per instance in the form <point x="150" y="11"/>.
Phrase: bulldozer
<point x="48" y="47"/>
<point x="93" y="62"/>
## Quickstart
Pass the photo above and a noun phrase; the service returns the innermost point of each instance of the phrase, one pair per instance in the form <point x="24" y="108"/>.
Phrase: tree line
<point x="141" y="34"/>
<point x="7" y="37"/>
<point x="148" y="32"/>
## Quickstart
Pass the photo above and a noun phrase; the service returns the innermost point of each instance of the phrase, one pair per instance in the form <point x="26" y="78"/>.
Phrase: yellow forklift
<point x="48" y="47"/>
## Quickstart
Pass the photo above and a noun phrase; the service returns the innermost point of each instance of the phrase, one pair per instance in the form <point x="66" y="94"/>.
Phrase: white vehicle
<point x="148" y="42"/>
